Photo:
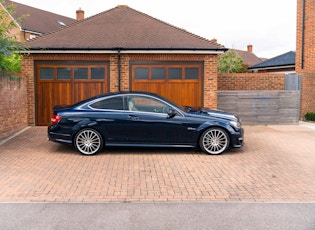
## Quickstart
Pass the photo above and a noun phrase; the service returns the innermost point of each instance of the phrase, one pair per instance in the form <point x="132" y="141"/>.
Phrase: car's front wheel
<point x="214" y="141"/>
<point x="88" y="141"/>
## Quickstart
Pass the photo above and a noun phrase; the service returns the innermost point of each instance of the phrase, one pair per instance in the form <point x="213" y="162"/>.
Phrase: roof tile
<point x="38" y="20"/>
<point x="122" y="27"/>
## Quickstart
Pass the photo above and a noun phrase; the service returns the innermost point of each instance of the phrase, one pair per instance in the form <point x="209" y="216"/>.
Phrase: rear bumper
<point x="58" y="137"/>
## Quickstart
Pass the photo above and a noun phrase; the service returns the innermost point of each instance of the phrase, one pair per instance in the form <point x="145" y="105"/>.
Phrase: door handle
<point x="131" y="117"/>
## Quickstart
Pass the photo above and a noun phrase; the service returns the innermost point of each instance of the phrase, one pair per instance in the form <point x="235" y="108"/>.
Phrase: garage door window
<point x="80" y="73"/>
<point x="141" y="73"/>
<point x="191" y="73"/>
<point x="158" y="73"/>
<point x="63" y="74"/>
<point x="175" y="73"/>
<point x="46" y="74"/>
<point x="97" y="73"/>
<point x="166" y="73"/>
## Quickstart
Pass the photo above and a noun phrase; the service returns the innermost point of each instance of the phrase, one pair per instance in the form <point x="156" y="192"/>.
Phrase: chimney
<point x="80" y="14"/>
<point x="250" y="48"/>
<point x="214" y="40"/>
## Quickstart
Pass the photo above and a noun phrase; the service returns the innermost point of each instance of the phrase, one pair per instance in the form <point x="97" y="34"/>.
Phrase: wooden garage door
<point x="66" y="84"/>
<point x="179" y="82"/>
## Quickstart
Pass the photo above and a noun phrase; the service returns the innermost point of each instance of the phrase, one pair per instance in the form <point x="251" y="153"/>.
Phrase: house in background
<point x="37" y="22"/>
<point x="284" y="63"/>
<point x="248" y="56"/>
<point x="101" y="54"/>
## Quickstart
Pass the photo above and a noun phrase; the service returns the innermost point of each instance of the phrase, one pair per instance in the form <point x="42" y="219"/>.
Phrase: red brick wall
<point x="308" y="93"/>
<point x="13" y="106"/>
<point x="305" y="58"/>
<point x="251" y="81"/>
<point x="209" y="85"/>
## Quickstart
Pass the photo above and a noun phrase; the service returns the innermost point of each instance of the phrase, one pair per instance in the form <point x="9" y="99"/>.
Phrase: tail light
<point x="55" y="119"/>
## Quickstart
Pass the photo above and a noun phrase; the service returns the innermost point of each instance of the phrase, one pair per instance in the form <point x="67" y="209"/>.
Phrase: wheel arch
<point x="86" y="126"/>
<point x="214" y="126"/>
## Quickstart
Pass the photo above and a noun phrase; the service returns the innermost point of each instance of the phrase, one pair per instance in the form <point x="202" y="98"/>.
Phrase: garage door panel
<point x="185" y="93"/>
<point x="180" y="83"/>
<point x="84" y="90"/>
<point x="50" y="95"/>
<point x="153" y="87"/>
<point x="63" y="84"/>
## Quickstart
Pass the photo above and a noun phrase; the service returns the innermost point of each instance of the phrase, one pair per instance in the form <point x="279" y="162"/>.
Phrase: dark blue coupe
<point x="143" y="120"/>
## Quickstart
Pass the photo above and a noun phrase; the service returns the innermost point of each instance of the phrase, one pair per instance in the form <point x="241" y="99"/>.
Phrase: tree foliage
<point x="231" y="62"/>
<point x="10" y="58"/>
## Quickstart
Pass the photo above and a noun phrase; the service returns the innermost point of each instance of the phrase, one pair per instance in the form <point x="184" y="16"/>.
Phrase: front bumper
<point x="237" y="139"/>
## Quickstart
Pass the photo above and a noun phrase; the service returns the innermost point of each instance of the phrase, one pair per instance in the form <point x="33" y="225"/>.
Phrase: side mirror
<point x="171" y="113"/>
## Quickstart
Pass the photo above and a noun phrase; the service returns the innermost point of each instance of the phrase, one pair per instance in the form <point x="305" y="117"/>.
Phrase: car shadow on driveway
<point x="69" y="149"/>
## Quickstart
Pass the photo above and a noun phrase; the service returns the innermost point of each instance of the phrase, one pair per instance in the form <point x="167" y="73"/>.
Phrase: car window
<point x="113" y="103"/>
<point x="146" y="104"/>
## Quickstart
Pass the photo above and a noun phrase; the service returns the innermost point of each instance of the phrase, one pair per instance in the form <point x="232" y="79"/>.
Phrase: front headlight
<point x="235" y="124"/>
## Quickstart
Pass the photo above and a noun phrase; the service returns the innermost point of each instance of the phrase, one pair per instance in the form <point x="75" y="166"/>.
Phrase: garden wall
<point x="259" y="98"/>
<point x="13" y="106"/>
<point x="251" y="81"/>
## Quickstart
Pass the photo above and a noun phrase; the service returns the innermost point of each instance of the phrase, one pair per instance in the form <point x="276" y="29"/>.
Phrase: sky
<point x="269" y="25"/>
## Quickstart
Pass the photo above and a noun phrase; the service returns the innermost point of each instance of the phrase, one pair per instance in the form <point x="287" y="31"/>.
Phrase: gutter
<point x="273" y="67"/>
<point x="63" y="50"/>
<point x="119" y="70"/>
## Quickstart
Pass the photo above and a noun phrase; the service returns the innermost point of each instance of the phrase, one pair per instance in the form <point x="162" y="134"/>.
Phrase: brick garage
<point x="209" y="74"/>
<point x="152" y="46"/>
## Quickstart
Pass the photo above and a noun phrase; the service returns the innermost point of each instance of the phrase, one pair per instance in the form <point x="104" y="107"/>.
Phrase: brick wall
<point x="308" y="93"/>
<point x="13" y="106"/>
<point x="305" y="53"/>
<point x="251" y="81"/>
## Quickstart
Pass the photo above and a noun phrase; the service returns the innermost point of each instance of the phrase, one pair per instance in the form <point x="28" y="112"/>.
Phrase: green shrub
<point x="310" y="116"/>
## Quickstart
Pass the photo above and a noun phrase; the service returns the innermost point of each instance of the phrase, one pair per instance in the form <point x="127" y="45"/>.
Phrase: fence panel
<point x="292" y="82"/>
<point x="262" y="106"/>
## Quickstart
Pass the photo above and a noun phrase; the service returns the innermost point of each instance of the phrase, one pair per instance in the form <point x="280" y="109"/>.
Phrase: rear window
<point x="114" y="103"/>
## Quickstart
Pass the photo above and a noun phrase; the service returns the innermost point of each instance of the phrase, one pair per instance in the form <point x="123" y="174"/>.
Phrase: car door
<point x="111" y="118"/>
<point x="148" y="123"/>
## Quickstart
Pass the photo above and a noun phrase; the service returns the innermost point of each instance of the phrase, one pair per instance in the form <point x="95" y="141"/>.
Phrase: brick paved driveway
<point x="276" y="164"/>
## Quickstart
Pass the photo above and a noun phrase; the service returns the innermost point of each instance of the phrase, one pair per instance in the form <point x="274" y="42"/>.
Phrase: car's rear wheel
<point x="214" y="141"/>
<point x="88" y="141"/>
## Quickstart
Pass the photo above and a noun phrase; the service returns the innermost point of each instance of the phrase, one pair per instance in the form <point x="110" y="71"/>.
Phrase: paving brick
<point x="277" y="164"/>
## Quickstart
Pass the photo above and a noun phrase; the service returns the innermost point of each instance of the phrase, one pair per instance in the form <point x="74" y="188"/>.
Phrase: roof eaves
<point x="272" y="67"/>
<point x="127" y="50"/>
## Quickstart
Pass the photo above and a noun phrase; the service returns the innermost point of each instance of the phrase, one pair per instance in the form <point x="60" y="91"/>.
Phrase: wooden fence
<point x="262" y="106"/>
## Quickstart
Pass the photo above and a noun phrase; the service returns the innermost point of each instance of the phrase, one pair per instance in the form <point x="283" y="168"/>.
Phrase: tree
<point x="231" y="62"/>
<point x="10" y="58"/>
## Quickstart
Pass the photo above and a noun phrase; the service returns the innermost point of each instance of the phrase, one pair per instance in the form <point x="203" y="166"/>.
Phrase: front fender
<point x="210" y="124"/>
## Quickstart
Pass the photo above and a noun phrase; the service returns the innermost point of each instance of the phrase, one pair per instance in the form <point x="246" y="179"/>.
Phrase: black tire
<point x="214" y="141"/>
<point x="88" y="141"/>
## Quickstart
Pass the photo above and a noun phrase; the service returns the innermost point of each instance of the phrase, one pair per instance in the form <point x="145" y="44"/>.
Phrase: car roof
<point x="117" y="94"/>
